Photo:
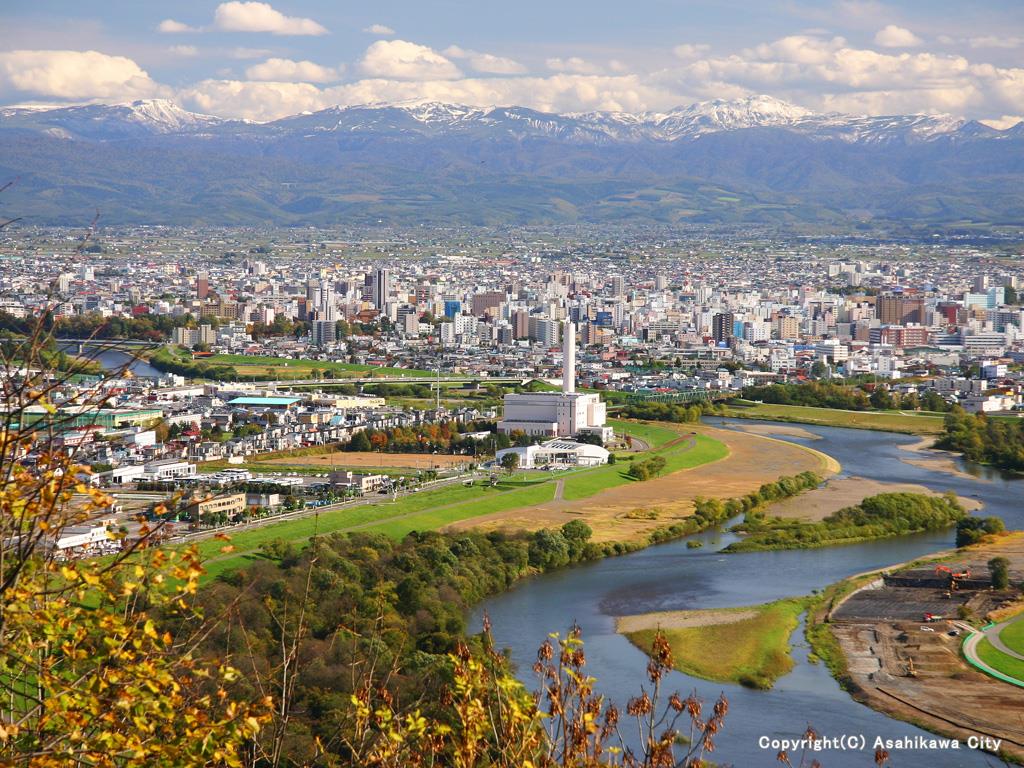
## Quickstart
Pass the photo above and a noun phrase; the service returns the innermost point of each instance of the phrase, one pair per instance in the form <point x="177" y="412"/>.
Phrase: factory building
<point x="558" y="414"/>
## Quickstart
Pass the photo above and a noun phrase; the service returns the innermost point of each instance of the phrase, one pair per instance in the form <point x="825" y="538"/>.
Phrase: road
<point x="970" y="650"/>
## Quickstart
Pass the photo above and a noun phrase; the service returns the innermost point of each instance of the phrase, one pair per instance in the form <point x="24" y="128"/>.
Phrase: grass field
<point x="748" y="646"/>
<point x="422" y="511"/>
<point x="1000" y="661"/>
<point x="1013" y="636"/>
<point x="297" y="369"/>
<point x="886" y="421"/>
<point x="682" y="455"/>
<point x="430" y="510"/>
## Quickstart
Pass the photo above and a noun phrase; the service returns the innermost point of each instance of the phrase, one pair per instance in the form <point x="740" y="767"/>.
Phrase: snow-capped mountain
<point x="111" y="121"/>
<point x="162" y="117"/>
<point x="757" y="159"/>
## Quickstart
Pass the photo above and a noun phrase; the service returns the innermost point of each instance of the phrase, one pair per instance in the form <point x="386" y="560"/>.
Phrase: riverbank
<point x="882" y="421"/>
<point x="748" y="646"/>
<point x="817" y="504"/>
<point x="630" y="513"/>
<point x="870" y="631"/>
<point x="461" y="505"/>
<point x="926" y="456"/>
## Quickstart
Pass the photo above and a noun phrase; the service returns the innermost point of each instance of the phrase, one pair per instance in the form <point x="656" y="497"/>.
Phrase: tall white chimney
<point x="568" y="357"/>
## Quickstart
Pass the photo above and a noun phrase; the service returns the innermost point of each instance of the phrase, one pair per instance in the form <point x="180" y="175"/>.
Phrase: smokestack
<point x="568" y="357"/>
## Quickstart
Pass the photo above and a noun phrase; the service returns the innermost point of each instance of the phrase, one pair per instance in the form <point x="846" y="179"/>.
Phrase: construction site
<point x="902" y="635"/>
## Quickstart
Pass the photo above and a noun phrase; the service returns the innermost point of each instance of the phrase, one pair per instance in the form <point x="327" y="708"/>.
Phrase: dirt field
<point x="345" y="460"/>
<point x="914" y="671"/>
<point x="679" y="619"/>
<point x="624" y="513"/>
<point x="821" y="502"/>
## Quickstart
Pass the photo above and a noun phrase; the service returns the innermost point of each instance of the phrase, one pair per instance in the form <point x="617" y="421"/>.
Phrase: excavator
<point x="954" y="576"/>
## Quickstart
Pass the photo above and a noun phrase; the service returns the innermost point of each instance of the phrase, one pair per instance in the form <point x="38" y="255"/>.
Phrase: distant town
<point x="226" y="350"/>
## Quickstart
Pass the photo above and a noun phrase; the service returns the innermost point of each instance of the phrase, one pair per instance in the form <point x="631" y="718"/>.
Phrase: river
<point x="114" y="359"/>
<point x="672" y="577"/>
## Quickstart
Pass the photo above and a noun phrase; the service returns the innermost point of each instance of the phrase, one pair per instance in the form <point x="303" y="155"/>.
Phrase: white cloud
<point x="288" y="71"/>
<point x="239" y="16"/>
<point x="185" y="51"/>
<point x="402" y="60"/>
<point x="556" y="93"/>
<point x="379" y="29"/>
<point x="251" y="100"/>
<point x="574" y="65"/>
<point x="170" y="26"/>
<point x="249" y="53"/>
<point x="892" y="36"/>
<point x="1004" y="122"/>
<point x="485" y="62"/>
<point x="690" y="50"/>
<point x="992" y="41"/>
<point x="75" y="75"/>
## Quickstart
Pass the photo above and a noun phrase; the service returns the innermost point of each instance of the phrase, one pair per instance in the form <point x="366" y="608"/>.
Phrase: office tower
<point x="521" y="324"/>
<point x="616" y="285"/>
<point x="894" y="309"/>
<point x="324" y="332"/>
<point x="202" y="285"/>
<point x="722" y="326"/>
<point x="381" y="288"/>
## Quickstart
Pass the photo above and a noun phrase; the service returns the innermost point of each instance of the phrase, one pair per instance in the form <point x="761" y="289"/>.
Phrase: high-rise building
<point x="895" y="309"/>
<point x="521" y="324"/>
<point x="616" y="285"/>
<point x="202" y="285"/>
<point x="324" y="332"/>
<point x="381" y="288"/>
<point x="485" y="301"/>
<point x="722" y="326"/>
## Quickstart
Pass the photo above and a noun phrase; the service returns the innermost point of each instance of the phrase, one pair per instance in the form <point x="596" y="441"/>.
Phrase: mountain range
<point x="754" y="160"/>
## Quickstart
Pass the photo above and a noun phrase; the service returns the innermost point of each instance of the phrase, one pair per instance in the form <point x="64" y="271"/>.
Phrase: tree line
<point x="820" y="394"/>
<point x="999" y="442"/>
<point x="876" y="517"/>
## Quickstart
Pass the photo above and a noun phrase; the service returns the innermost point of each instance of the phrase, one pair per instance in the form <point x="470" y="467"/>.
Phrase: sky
<point x="265" y="60"/>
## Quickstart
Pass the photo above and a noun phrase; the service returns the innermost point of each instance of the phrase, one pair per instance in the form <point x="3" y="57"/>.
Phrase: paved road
<point x="992" y="633"/>
<point x="970" y="650"/>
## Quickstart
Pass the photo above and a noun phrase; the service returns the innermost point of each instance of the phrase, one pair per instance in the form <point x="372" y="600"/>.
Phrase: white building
<point x="558" y="452"/>
<point x="558" y="414"/>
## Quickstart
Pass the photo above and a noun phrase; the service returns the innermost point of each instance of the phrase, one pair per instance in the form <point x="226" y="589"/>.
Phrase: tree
<point x="999" y="569"/>
<point x="510" y="461"/>
<point x="99" y="661"/>
<point x="162" y="431"/>
<point x="359" y="443"/>
<point x="882" y="399"/>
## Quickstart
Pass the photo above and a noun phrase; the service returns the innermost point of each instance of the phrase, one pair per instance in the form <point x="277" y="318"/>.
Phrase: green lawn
<point x="240" y="362"/>
<point x="886" y="421"/>
<point x="1013" y="636"/>
<point x="680" y="456"/>
<point x="1000" y="661"/>
<point x="652" y="434"/>
<point x="752" y="651"/>
<point x="434" y="509"/>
